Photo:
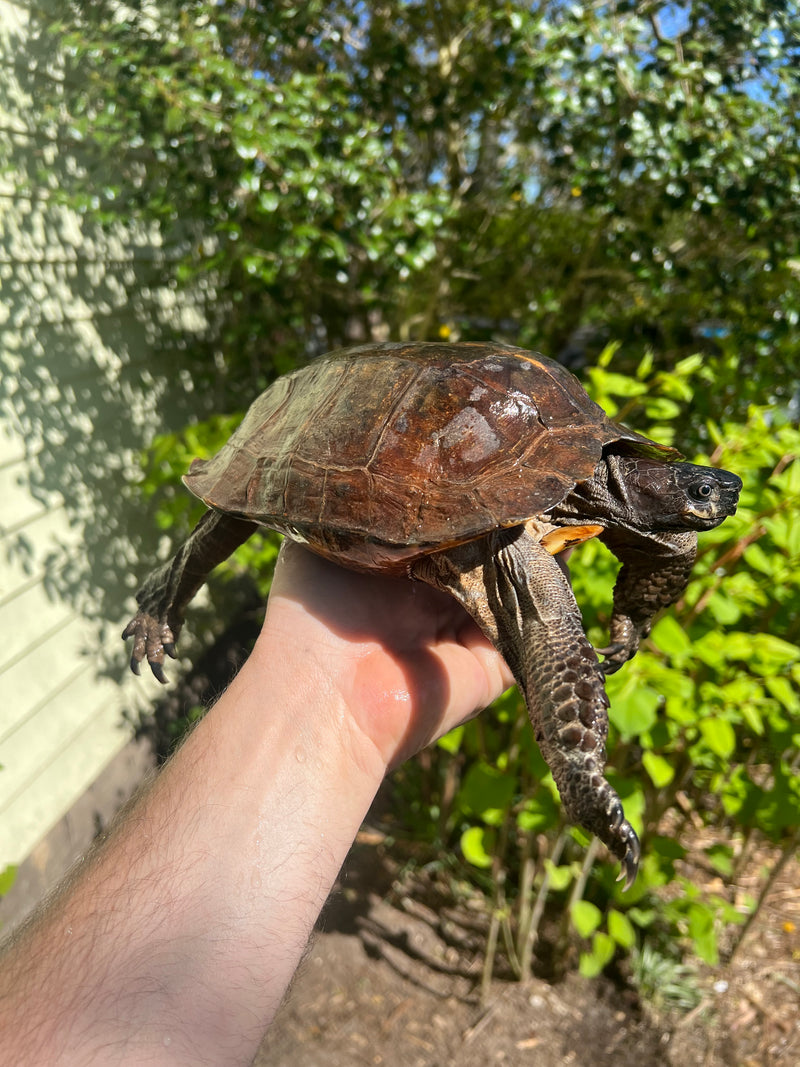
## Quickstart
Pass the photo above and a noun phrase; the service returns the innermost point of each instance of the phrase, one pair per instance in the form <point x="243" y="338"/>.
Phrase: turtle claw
<point x="629" y="864"/>
<point x="152" y="638"/>
<point x="158" y="671"/>
<point x="611" y="650"/>
<point x="616" y="655"/>
<point x="610" y="666"/>
<point x="617" y="835"/>
<point x="629" y="853"/>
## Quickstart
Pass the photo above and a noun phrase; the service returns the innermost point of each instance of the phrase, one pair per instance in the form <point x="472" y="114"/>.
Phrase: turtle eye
<point x="702" y="491"/>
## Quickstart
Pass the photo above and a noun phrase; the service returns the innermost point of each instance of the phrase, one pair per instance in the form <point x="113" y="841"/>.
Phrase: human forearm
<point x="175" y="942"/>
<point x="178" y="942"/>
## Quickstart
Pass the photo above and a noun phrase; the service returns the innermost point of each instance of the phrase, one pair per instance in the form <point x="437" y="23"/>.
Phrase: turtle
<point x="473" y="467"/>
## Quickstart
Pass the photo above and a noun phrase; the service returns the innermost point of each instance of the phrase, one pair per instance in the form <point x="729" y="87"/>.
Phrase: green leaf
<point x="784" y="692"/>
<point x="670" y="637"/>
<point x="661" y="409"/>
<point x="451" y="742"/>
<point x="616" y="384"/>
<point x="634" y="708"/>
<point x="559" y="877"/>
<point x="667" y="847"/>
<point x="719" y="736"/>
<point x="741" y="690"/>
<point x="643" y="917"/>
<point x="688" y="366"/>
<point x="645" y="367"/>
<point x="608" y="353"/>
<point x="753" y="717"/>
<point x="773" y="652"/>
<point x="603" y="948"/>
<point x="540" y="811"/>
<point x="660" y="769"/>
<point x="173" y="120"/>
<point x="721" y="858"/>
<point x="788" y="481"/>
<point x="703" y="934"/>
<point x="486" y="789"/>
<point x="724" y="610"/>
<point x="621" y="929"/>
<point x="532" y="822"/>
<point x="585" y="916"/>
<point x="756" y="557"/>
<point x="477" y="845"/>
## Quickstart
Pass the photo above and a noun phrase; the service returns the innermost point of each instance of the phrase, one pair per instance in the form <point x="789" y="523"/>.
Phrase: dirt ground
<point x="383" y="984"/>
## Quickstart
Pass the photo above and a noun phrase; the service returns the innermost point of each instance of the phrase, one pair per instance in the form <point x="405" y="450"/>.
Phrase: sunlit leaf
<point x="661" y="771"/>
<point x="477" y="844"/>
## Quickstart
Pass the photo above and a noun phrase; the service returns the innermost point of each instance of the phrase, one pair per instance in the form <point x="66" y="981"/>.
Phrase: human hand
<point x="407" y="660"/>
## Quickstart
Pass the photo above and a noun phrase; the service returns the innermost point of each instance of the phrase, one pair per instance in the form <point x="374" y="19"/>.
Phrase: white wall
<point x="80" y="394"/>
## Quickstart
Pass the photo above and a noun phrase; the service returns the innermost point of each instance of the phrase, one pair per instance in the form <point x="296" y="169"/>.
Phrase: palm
<point x="408" y="660"/>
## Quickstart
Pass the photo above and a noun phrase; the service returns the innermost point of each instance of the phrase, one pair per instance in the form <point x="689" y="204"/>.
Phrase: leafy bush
<point x="331" y="168"/>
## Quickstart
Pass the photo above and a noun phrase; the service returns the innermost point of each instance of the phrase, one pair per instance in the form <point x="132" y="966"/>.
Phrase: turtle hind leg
<point x="167" y="591"/>
<point x="521" y="599"/>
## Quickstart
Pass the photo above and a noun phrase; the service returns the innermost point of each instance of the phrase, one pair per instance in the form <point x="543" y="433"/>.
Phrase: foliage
<point x="666" y="983"/>
<point x="337" y="171"/>
<point x="705" y="720"/>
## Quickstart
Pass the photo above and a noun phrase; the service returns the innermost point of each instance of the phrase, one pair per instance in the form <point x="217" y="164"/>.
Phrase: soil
<point x="387" y="983"/>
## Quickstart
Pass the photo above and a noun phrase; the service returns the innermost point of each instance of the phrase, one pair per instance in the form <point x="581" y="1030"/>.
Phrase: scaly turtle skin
<point x="469" y="467"/>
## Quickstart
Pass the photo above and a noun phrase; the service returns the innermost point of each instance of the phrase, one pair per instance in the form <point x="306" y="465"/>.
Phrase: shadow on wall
<point x="91" y="366"/>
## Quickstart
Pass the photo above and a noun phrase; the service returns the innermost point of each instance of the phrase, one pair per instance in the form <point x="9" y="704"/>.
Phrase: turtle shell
<point x="379" y="454"/>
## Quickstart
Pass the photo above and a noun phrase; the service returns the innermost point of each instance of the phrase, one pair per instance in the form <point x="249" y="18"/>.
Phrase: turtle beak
<point x="725" y="498"/>
<point x="730" y="485"/>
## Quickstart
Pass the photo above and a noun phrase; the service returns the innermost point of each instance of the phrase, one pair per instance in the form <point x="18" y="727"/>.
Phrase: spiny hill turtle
<point x="470" y="467"/>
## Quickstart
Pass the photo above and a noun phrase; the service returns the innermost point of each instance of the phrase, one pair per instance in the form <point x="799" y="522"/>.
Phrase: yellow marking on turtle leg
<point x="564" y="537"/>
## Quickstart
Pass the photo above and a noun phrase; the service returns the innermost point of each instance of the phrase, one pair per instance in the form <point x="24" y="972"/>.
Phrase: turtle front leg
<point x="655" y="571"/>
<point x="521" y="599"/>
<point x="167" y="591"/>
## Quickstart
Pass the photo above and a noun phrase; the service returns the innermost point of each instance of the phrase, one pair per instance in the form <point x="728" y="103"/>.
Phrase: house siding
<point x="81" y="394"/>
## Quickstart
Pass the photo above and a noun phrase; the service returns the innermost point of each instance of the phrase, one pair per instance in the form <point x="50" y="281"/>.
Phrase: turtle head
<point x="711" y="495"/>
<point x="675" y="496"/>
